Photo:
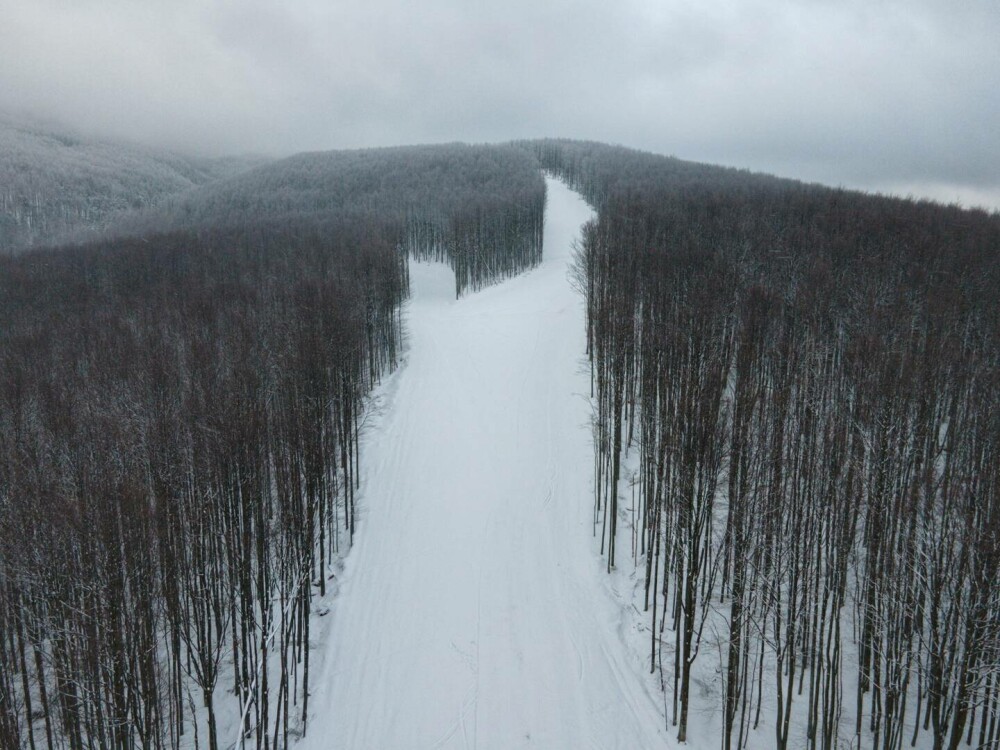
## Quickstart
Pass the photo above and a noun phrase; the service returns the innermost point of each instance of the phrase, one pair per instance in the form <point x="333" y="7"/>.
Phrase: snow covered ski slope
<point x="473" y="610"/>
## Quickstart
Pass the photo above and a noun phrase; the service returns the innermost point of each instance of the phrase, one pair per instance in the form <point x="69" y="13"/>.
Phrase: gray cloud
<point x="888" y="95"/>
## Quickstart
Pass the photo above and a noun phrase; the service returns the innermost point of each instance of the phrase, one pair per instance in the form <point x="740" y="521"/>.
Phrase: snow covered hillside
<point x="56" y="183"/>
<point x="473" y="610"/>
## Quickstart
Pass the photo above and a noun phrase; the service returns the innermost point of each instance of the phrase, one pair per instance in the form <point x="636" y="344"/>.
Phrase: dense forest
<point x="179" y="427"/>
<point x="478" y="209"/>
<point x="56" y="184"/>
<point x="806" y="383"/>
<point x="796" y="428"/>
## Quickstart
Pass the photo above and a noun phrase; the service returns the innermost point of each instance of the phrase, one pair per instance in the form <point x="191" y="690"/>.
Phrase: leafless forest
<point x="179" y="418"/>
<point x="806" y="381"/>
<point x="811" y="380"/>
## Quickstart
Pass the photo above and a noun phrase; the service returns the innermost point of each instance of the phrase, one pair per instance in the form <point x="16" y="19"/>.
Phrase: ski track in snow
<point x="473" y="611"/>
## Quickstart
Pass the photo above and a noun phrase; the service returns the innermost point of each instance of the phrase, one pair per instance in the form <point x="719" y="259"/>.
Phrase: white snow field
<point x="473" y="611"/>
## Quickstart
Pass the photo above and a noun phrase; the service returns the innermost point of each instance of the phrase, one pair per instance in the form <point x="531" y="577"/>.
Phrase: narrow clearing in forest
<point x="473" y="610"/>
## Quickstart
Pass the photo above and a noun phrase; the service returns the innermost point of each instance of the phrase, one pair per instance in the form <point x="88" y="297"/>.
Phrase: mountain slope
<point x="54" y="183"/>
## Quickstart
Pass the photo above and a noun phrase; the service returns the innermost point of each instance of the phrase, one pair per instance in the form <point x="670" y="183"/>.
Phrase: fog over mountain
<point x="889" y="95"/>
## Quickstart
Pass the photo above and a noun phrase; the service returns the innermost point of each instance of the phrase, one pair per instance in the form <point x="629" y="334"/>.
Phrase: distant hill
<point x="55" y="184"/>
<point x="433" y="181"/>
<point x="478" y="208"/>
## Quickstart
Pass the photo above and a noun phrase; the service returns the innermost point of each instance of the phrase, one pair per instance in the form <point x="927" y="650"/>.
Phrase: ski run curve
<point x="473" y="610"/>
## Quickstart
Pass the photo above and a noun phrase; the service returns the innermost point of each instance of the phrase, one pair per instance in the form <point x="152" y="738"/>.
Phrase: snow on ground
<point x="473" y="611"/>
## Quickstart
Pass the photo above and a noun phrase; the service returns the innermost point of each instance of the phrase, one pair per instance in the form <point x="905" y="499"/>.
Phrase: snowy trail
<point x="473" y="611"/>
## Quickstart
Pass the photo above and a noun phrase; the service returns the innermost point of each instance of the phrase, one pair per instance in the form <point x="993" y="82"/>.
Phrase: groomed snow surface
<point x="473" y="610"/>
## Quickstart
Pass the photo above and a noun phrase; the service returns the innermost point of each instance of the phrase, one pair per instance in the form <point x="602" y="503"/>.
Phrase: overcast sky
<point x="878" y="94"/>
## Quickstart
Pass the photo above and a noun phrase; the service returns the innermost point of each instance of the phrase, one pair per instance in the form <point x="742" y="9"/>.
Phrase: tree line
<point x="180" y="413"/>
<point x="808" y="380"/>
